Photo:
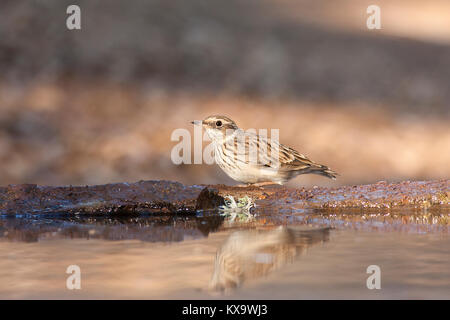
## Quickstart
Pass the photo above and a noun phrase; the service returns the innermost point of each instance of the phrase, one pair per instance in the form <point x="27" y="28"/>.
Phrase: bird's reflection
<point x="254" y="253"/>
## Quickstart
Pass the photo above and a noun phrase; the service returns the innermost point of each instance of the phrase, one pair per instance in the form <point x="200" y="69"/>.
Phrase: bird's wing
<point x="291" y="159"/>
<point x="266" y="151"/>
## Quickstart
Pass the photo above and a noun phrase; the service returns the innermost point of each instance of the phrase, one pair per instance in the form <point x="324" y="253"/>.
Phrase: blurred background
<point x="98" y="105"/>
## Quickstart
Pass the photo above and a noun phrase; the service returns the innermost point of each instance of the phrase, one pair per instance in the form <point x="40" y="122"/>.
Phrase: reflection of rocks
<point x="252" y="254"/>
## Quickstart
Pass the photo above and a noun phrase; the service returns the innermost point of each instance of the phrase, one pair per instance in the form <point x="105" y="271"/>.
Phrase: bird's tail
<point x="322" y="170"/>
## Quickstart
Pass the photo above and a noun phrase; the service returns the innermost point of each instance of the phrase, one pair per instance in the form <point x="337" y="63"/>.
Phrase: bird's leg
<point x="262" y="184"/>
<point x="257" y="184"/>
<point x="243" y="185"/>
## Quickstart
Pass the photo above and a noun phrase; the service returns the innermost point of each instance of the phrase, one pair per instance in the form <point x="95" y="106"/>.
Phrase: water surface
<point x="280" y="253"/>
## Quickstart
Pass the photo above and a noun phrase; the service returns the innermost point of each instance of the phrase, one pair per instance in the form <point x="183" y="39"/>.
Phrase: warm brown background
<point x="99" y="105"/>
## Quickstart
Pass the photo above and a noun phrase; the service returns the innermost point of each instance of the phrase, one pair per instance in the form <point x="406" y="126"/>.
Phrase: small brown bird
<point x="254" y="159"/>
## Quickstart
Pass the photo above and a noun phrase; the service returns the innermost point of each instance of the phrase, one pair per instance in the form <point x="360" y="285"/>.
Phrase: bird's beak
<point x="197" y="122"/>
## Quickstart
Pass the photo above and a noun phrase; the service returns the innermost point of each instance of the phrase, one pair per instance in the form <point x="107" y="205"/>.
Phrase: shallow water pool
<point x="286" y="253"/>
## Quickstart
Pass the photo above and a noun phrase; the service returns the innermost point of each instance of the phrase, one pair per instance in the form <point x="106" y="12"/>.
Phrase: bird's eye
<point x="218" y="123"/>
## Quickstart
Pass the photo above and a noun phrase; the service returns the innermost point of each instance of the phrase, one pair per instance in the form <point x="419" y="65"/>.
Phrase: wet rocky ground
<point x="174" y="197"/>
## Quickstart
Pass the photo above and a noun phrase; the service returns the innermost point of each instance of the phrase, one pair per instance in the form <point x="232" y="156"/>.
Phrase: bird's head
<point x="219" y="127"/>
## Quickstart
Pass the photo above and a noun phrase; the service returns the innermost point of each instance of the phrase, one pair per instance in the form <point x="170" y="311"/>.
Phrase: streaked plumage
<point x="251" y="158"/>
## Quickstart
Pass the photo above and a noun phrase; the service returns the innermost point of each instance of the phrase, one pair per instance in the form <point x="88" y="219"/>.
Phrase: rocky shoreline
<point x="174" y="197"/>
